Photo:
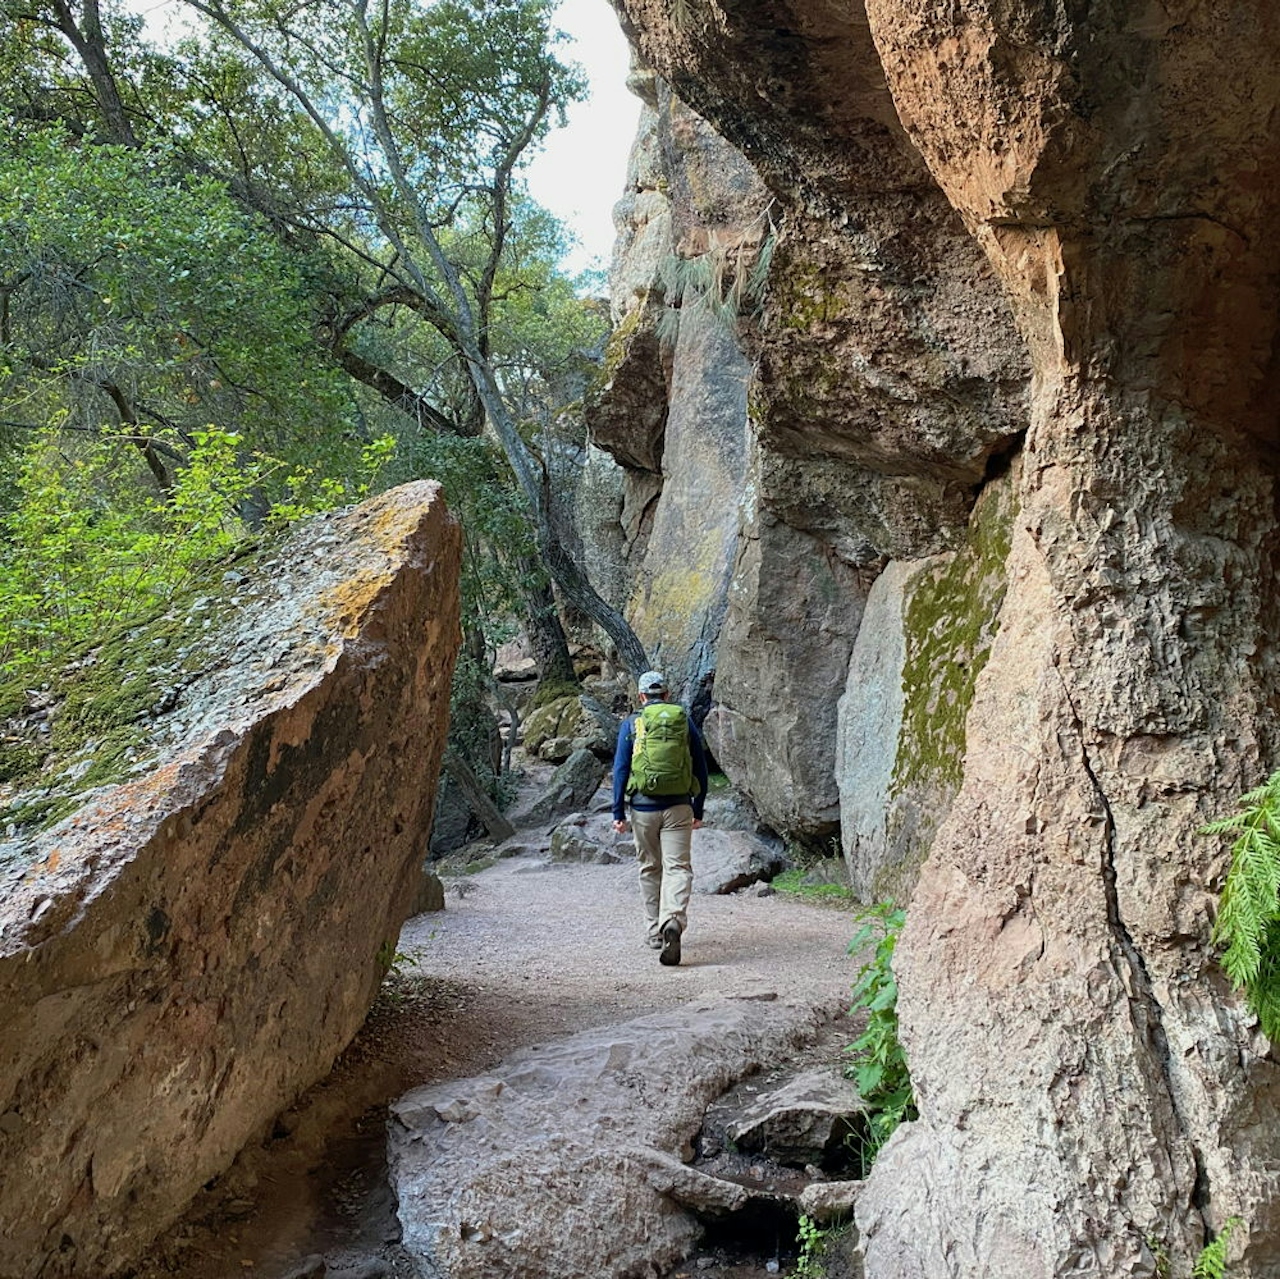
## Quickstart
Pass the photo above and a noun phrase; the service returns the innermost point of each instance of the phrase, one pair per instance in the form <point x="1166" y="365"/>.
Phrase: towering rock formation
<point x="1016" y="345"/>
<point x="1123" y="186"/>
<point x="887" y="372"/>
<point x="672" y="404"/>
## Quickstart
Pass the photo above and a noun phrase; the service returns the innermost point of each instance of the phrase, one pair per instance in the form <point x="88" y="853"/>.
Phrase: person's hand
<point x="697" y="823"/>
<point x="620" y="828"/>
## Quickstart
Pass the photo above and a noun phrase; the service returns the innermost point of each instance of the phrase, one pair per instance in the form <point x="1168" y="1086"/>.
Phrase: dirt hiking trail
<point x="526" y="951"/>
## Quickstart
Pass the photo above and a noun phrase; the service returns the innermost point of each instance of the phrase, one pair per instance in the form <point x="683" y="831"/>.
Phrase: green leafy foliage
<point x="137" y="297"/>
<point x="798" y="883"/>
<point x="812" y="1239"/>
<point x="1248" y="923"/>
<point x="1212" y="1261"/>
<point x="877" y="1063"/>
<point x="86" y="548"/>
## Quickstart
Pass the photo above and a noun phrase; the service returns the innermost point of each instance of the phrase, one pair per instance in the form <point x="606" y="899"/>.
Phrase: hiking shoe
<point x="670" y="944"/>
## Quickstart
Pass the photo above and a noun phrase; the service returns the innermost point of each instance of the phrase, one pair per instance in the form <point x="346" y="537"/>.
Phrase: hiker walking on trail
<point x="660" y="769"/>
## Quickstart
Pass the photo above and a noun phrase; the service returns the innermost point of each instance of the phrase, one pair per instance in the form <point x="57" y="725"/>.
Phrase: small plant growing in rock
<point x="877" y="1062"/>
<point x="1212" y="1261"/>
<point x="1248" y="923"/>
<point x="811" y="1238"/>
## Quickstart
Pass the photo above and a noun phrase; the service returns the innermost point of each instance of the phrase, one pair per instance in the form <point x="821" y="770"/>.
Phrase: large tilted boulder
<point x="184" y="955"/>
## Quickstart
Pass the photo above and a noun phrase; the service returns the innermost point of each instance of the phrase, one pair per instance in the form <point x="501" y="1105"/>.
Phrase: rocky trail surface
<point x="527" y="952"/>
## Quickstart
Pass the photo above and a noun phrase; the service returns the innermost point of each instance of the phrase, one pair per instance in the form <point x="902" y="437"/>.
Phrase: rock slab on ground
<point x="726" y="860"/>
<point x="184" y="955"/>
<point x="569" y="1158"/>
<point x="799" y="1121"/>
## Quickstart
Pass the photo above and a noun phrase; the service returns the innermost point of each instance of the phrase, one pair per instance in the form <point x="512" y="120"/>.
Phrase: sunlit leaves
<point x="136" y="295"/>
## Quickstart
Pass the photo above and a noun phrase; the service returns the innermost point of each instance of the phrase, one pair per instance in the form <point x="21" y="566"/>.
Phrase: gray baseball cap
<point x="652" y="682"/>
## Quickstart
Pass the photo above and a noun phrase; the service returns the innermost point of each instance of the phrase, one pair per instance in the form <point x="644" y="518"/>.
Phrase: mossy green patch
<point x="799" y="883"/>
<point x="950" y="621"/>
<point x="102" y="707"/>
<point x="615" y="351"/>
<point x="550" y="691"/>
<point x="800" y="296"/>
<point x="19" y="759"/>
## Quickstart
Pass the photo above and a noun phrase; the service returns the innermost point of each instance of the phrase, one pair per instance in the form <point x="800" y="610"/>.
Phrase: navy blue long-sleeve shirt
<point x="651" y="803"/>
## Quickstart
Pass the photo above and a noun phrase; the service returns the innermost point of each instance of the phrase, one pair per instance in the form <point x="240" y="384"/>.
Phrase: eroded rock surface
<point x="572" y="1158"/>
<point x="726" y="860"/>
<point x="1055" y="712"/>
<point x="188" y="952"/>
<point x="885" y="374"/>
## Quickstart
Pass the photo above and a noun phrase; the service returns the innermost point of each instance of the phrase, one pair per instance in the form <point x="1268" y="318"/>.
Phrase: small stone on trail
<point x="370" y="1269"/>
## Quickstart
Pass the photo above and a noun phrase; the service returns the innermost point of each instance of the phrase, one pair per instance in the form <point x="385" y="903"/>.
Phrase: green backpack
<point x="661" y="763"/>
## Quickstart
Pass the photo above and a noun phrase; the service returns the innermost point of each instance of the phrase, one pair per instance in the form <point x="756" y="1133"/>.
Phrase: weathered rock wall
<point x="671" y="405"/>
<point x="886" y="372"/>
<point x="900" y="740"/>
<point x="1123" y="187"/>
<point x="1051" y="713"/>
<point x="186" y="954"/>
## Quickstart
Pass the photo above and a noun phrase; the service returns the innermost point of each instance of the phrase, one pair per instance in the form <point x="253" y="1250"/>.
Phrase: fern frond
<point x="1212" y="1261"/>
<point x="1225" y="824"/>
<point x="1248" y="922"/>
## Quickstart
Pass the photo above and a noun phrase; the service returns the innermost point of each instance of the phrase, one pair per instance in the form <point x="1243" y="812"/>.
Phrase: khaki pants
<point x="664" y="849"/>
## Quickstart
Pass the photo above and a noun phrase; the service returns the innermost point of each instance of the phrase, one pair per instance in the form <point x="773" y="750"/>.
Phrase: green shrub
<point x="877" y="1062"/>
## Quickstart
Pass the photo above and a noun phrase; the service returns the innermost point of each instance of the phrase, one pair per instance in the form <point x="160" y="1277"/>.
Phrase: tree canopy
<point x="291" y="240"/>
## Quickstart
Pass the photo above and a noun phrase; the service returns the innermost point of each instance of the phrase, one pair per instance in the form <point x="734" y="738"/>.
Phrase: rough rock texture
<point x="184" y="955"/>
<point x="580" y="722"/>
<point x="794" y="610"/>
<point x="1066" y="1028"/>
<point x="570" y="1158"/>
<point x="726" y="860"/>
<point x="570" y="787"/>
<point x="1091" y="1098"/>
<point x="801" y="1120"/>
<point x="887" y="373"/>
<point x="671" y="403"/>
<point x="587" y="837"/>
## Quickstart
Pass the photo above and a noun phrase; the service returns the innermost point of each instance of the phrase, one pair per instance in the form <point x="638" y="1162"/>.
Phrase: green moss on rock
<point x="552" y="691"/>
<point x="950" y="620"/>
<point x="102" y="707"/>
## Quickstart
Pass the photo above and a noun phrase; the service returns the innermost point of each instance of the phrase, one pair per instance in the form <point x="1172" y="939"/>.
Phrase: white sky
<point x="580" y="174"/>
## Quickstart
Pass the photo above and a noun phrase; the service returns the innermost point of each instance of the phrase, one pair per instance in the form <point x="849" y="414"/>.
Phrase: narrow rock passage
<point x="526" y="952"/>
